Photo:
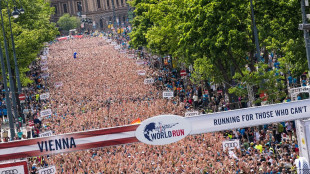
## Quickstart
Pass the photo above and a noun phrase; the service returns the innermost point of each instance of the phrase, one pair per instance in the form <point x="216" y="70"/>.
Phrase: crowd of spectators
<point x="27" y="123"/>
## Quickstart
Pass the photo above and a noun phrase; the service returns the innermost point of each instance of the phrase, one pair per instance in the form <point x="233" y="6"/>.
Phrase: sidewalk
<point x="6" y="128"/>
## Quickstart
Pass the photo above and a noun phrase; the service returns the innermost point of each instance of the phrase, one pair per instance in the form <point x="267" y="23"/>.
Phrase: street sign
<point x="31" y="123"/>
<point x="183" y="73"/>
<point x="22" y="98"/>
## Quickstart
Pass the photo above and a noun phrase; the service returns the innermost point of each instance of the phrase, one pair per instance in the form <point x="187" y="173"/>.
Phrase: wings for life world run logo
<point x="153" y="131"/>
<point x="163" y="129"/>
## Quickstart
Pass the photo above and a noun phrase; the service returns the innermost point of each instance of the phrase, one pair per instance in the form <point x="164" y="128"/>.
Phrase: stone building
<point x="99" y="13"/>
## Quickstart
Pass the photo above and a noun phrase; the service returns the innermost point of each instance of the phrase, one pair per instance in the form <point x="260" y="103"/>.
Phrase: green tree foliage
<point x="142" y="21"/>
<point x="277" y="21"/>
<point x="67" y="22"/>
<point x="216" y="36"/>
<point x="269" y="82"/>
<point x="30" y="31"/>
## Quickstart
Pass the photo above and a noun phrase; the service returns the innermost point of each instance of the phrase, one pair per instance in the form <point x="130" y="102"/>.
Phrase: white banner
<point x="301" y="138"/>
<point x="163" y="129"/>
<point x="45" y="113"/>
<point x="58" y="84"/>
<point x="123" y="51"/>
<point x="250" y="117"/>
<point x="44" y="68"/>
<point x="68" y="142"/>
<point x="45" y="96"/>
<point x="131" y="56"/>
<point x="307" y="135"/>
<point x="117" y="47"/>
<point x="45" y="75"/>
<point x="295" y="91"/>
<point x="167" y="94"/>
<point x="49" y="170"/>
<point x="191" y="113"/>
<point x="109" y="40"/>
<point x="148" y="81"/>
<point x="43" y="57"/>
<point x="141" y="72"/>
<point x="231" y="144"/>
<point x="113" y="43"/>
<point x="43" y="62"/>
<point x="140" y="62"/>
<point x="46" y="134"/>
<point x="14" y="168"/>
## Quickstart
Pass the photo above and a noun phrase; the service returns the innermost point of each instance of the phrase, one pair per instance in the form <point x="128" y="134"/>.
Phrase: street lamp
<point x="19" y="86"/>
<point x="255" y="33"/>
<point x="305" y="27"/>
<point x="7" y="96"/>
<point x="21" y="10"/>
<point x="15" y="13"/>
<point x="114" y="16"/>
<point x="12" y="88"/>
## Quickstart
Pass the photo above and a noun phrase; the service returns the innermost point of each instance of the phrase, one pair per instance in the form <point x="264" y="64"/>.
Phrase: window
<point x="79" y="6"/>
<point x="101" y="23"/>
<point x="98" y="3"/>
<point x="124" y="19"/>
<point x="56" y="11"/>
<point x="122" y="2"/>
<point x="65" y="8"/>
<point x="108" y="4"/>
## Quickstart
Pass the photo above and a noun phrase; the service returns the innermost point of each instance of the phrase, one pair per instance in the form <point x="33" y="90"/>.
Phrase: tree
<point x="276" y="22"/>
<point x="67" y="22"/>
<point x="196" y="30"/>
<point x="270" y="83"/>
<point x="216" y="36"/>
<point x="30" y="30"/>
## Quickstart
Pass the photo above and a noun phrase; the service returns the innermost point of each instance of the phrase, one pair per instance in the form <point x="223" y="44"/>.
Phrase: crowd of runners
<point x="93" y="85"/>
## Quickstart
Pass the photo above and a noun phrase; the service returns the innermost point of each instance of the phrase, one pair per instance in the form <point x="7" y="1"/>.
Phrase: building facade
<point x="99" y="13"/>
